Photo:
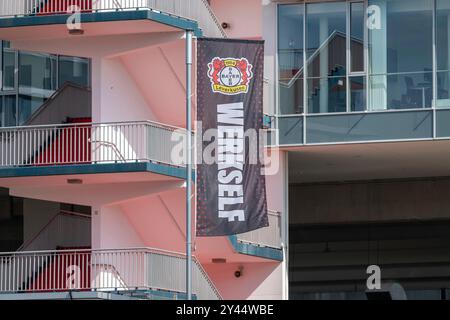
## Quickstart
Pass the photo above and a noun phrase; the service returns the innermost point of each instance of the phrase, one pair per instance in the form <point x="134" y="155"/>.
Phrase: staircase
<point x="65" y="229"/>
<point x="71" y="101"/>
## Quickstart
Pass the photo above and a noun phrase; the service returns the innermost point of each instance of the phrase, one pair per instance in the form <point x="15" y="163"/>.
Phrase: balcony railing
<point x="197" y="10"/>
<point x="90" y="143"/>
<point x="265" y="237"/>
<point x="125" y="271"/>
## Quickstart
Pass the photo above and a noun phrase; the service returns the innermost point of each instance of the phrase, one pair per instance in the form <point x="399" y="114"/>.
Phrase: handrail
<point x="110" y="145"/>
<point x="148" y="249"/>
<point x="84" y="124"/>
<point x="313" y="55"/>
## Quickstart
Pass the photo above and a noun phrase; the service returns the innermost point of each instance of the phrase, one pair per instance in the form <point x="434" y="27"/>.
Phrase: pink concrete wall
<point x="243" y="17"/>
<point x="157" y="219"/>
<point x="112" y="229"/>
<point x="258" y="280"/>
<point x="159" y="73"/>
<point x="119" y="98"/>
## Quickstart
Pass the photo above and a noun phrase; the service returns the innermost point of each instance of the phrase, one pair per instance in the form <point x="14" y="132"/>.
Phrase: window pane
<point x="443" y="53"/>
<point x="290" y="58"/>
<point x="326" y="39"/>
<point x="37" y="82"/>
<point x="327" y="95"/>
<point x="402" y="91"/>
<point x="8" y="111"/>
<point x="9" y="58"/>
<point x="443" y="34"/>
<point x="37" y="74"/>
<point x="357" y="36"/>
<point x="443" y="88"/>
<point x="75" y="70"/>
<point x="357" y="93"/>
<point x="400" y="36"/>
<point x="291" y="96"/>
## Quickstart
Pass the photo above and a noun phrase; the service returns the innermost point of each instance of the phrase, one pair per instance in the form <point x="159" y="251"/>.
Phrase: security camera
<point x="238" y="272"/>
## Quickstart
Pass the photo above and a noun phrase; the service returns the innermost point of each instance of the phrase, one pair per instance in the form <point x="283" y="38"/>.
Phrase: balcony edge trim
<point x="257" y="251"/>
<point x="162" y="169"/>
<point x="160" y="17"/>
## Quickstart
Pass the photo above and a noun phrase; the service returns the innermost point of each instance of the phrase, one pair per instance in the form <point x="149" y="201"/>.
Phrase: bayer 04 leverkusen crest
<point x="230" y="76"/>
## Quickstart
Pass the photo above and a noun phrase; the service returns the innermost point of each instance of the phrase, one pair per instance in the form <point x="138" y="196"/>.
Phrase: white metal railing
<point x="66" y="229"/>
<point x="266" y="237"/>
<point x="197" y="10"/>
<point x="90" y="143"/>
<point x="119" y="270"/>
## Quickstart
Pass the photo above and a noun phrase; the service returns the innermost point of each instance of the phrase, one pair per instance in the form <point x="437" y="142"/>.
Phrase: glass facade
<point x="30" y="78"/>
<point x="360" y="56"/>
<point x="37" y="82"/>
<point x="290" y="57"/>
<point x="443" y="53"/>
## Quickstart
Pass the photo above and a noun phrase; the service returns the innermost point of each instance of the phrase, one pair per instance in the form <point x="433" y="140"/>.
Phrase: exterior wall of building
<point x="159" y="219"/>
<point x="117" y="98"/>
<point x="259" y="281"/>
<point x="243" y="17"/>
<point x="134" y="79"/>
<point x="111" y="229"/>
<point x="159" y="73"/>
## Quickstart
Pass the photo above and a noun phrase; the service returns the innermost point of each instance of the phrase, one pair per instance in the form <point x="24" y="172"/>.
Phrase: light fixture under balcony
<point x="74" y="181"/>
<point x="76" y="32"/>
<point x="219" y="260"/>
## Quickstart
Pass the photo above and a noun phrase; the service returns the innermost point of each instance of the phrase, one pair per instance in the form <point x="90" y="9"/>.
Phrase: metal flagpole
<point x="188" y="165"/>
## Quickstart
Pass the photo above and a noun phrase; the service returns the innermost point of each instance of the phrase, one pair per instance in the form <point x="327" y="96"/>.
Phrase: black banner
<point x="231" y="190"/>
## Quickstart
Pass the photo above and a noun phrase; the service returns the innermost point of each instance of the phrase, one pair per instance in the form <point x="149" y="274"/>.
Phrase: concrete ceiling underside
<point x="370" y="161"/>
